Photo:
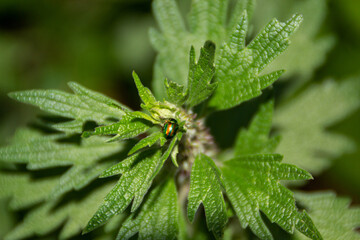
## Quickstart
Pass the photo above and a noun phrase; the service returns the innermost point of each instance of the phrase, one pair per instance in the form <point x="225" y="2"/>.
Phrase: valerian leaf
<point x="332" y="215"/>
<point x="302" y="123"/>
<point x="40" y="151"/>
<point x="72" y="216"/>
<point x="252" y="184"/>
<point x="148" y="142"/>
<point x="256" y="138"/>
<point x="158" y="217"/>
<point x="206" y="188"/>
<point x="129" y="126"/>
<point x="239" y="70"/>
<point x="175" y="92"/>
<point x="201" y="74"/>
<point x="84" y="105"/>
<point x="138" y="172"/>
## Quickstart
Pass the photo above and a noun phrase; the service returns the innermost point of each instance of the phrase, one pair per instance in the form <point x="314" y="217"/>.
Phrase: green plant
<point x="154" y="197"/>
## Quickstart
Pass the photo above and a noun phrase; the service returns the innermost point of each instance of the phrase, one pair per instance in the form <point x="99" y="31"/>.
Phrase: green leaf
<point x="309" y="45"/>
<point x="137" y="171"/>
<point x="239" y="69"/>
<point x="206" y="188"/>
<point x="158" y="217"/>
<point x="72" y="216"/>
<point x="129" y="126"/>
<point x="332" y="215"/>
<point x="40" y="152"/>
<point x="148" y="142"/>
<point x="256" y="138"/>
<point x="23" y="190"/>
<point x="200" y="75"/>
<point x="252" y="184"/>
<point x="302" y="122"/>
<point x="145" y="94"/>
<point x="175" y="92"/>
<point x="84" y="105"/>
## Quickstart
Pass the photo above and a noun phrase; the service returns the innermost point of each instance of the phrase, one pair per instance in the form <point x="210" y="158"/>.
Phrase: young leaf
<point x="200" y="75"/>
<point x="158" y="218"/>
<point x="308" y="47"/>
<point x="239" y="70"/>
<point x="72" y="216"/>
<point x="40" y="152"/>
<point x="332" y="215"/>
<point x="148" y="142"/>
<point x="129" y="126"/>
<point x="305" y="127"/>
<point x="206" y="188"/>
<point x="252" y="184"/>
<point x="175" y="92"/>
<point x="256" y="138"/>
<point x="145" y="94"/>
<point x="84" y="106"/>
<point x="138" y="172"/>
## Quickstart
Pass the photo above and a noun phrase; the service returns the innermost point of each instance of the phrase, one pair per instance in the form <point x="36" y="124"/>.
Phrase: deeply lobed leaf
<point x="200" y="75"/>
<point x="39" y="152"/>
<point x="252" y="184"/>
<point x="84" y="105"/>
<point x="256" y="138"/>
<point x="303" y="121"/>
<point x="332" y="215"/>
<point x="158" y="218"/>
<point x="206" y="188"/>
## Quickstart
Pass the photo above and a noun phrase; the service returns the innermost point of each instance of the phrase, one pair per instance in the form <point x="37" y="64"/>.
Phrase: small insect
<point x="170" y="128"/>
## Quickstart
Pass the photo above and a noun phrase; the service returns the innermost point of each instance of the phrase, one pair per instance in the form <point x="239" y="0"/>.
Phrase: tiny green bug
<point x="170" y="128"/>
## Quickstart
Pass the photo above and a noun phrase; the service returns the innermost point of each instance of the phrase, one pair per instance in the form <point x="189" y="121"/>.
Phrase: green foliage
<point x="238" y="68"/>
<point x="308" y="47"/>
<point x="206" y="188"/>
<point x="255" y="139"/>
<point x="84" y="105"/>
<point x="304" y="119"/>
<point x="39" y="152"/>
<point x="50" y="216"/>
<point x="200" y="75"/>
<point x="158" y="218"/>
<point x="332" y="215"/>
<point x="252" y="184"/>
<point x="148" y="142"/>
<point x="248" y="186"/>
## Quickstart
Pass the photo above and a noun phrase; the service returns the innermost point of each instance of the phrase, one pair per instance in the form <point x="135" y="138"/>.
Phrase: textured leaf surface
<point x="39" y="152"/>
<point x="238" y="68"/>
<point x="206" y="188"/>
<point x="308" y="48"/>
<point x="82" y="106"/>
<point x="176" y="93"/>
<point x="252" y="184"/>
<point x="73" y="216"/>
<point x="129" y="126"/>
<point x="303" y="121"/>
<point x="148" y="142"/>
<point x="200" y="75"/>
<point x="158" y="218"/>
<point x="137" y="171"/>
<point x="332" y="215"/>
<point x="256" y="138"/>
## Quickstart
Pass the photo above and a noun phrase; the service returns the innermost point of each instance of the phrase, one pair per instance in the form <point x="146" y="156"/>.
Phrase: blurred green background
<point x="45" y="44"/>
